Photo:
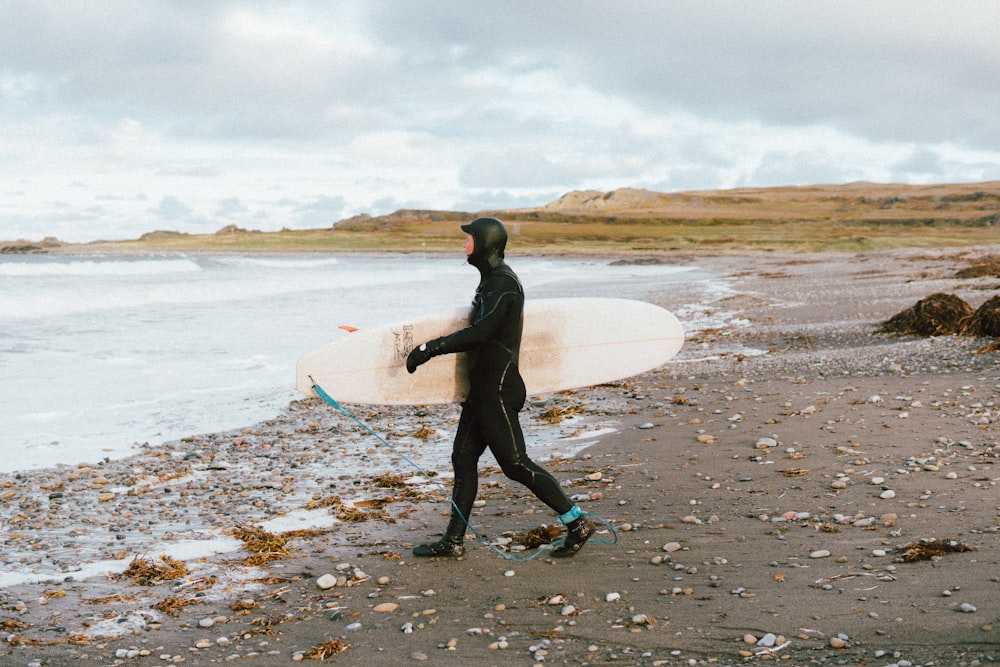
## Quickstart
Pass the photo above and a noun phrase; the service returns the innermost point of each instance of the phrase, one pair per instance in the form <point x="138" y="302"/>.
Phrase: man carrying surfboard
<point x="489" y="418"/>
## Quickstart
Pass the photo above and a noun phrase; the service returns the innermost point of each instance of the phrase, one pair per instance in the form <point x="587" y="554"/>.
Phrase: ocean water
<point x="99" y="354"/>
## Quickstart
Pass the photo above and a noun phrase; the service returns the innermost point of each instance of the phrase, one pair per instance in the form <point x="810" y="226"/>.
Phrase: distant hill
<point x="969" y="203"/>
<point x="854" y="217"/>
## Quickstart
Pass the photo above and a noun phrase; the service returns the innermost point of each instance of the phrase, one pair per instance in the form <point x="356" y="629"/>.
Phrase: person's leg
<point x="502" y="428"/>
<point x="466" y="450"/>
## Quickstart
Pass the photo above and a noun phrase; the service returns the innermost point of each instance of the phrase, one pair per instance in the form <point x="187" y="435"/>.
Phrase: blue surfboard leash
<point x="331" y="401"/>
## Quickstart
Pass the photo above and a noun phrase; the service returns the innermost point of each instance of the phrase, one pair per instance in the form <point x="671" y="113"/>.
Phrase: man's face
<point x="470" y="244"/>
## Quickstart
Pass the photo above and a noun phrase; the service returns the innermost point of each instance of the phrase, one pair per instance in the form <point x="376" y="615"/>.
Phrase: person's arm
<point x="498" y="300"/>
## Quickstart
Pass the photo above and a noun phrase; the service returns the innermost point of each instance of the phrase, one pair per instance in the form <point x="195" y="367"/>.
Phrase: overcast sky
<point x="122" y="117"/>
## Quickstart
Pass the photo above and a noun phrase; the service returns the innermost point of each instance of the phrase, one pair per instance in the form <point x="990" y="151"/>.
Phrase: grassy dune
<point x="855" y="217"/>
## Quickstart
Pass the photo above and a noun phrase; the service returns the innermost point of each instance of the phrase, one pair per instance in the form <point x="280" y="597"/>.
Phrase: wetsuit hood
<point x="489" y="240"/>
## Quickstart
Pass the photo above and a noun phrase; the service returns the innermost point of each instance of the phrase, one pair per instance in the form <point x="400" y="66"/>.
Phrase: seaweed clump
<point x="263" y="546"/>
<point x="979" y="268"/>
<point x="145" y="572"/>
<point x="543" y="534"/>
<point x="930" y="549"/>
<point x="327" y="650"/>
<point x="985" y="321"/>
<point x="939" y="314"/>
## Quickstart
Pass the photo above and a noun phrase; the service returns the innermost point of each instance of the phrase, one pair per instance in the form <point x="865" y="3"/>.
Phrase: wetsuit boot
<point x="449" y="546"/>
<point x="578" y="531"/>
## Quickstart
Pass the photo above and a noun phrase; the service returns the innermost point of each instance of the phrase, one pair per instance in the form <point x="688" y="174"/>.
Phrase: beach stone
<point x="326" y="582"/>
<point x="837" y="642"/>
<point x="765" y="443"/>
<point x="966" y="608"/>
<point x="386" y="607"/>
<point x="671" y="547"/>
<point x="821" y="553"/>
<point x="206" y="622"/>
<point x="888" y="494"/>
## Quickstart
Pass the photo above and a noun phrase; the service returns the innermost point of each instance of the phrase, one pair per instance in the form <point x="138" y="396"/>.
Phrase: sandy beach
<point x="795" y="488"/>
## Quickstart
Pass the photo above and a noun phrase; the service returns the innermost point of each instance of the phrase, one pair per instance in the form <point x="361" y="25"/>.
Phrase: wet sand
<point x="768" y="492"/>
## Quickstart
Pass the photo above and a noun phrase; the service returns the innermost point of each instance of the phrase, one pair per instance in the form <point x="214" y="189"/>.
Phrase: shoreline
<point x="727" y="478"/>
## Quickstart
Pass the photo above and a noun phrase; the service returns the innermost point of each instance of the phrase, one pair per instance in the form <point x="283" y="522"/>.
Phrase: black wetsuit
<point x="489" y="418"/>
<point x="492" y="343"/>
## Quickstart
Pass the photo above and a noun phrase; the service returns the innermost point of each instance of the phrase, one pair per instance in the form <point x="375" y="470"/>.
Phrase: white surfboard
<point x="566" y="344"/>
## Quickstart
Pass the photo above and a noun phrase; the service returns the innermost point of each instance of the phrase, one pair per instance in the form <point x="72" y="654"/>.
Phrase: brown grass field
<point x="856" y="217"/>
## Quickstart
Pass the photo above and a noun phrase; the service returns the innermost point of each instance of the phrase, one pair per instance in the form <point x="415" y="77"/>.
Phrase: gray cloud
<point x="172" y="209"/>
<point x="320" y="211"/>
<point x="231" y="209"/>
<point x="887" y="70"/>
<point x="516" y="168"/>
<point x="358" y="104"/>
<point x="921" y="161"/>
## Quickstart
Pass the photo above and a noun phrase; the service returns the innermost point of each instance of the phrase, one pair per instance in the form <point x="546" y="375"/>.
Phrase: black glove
<point x="421" y="355"/>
